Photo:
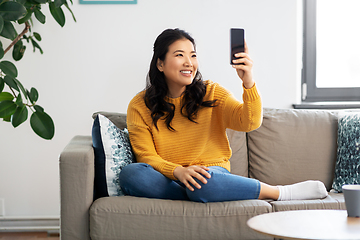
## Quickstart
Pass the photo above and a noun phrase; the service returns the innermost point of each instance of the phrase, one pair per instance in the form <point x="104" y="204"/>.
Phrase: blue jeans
<point x="142" y="180"/>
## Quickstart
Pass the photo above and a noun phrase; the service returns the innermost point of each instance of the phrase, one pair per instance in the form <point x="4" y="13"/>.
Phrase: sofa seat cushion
<point x="332" y="201"/>
<point x="140" y="218"/>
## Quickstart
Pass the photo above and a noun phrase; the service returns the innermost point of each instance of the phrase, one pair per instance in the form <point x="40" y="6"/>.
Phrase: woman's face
<point x="179" y="67"/>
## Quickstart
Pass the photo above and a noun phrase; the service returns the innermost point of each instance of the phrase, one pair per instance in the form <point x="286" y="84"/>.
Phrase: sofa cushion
<point x="239" y="158"/>
<point x="347" y="169"/>
<point x="112" y="152"/>
<point x="119" y="119"/>
<point x="144" y="218"/>
<point x="293" y="146"/>
<point x="332" y="201"/>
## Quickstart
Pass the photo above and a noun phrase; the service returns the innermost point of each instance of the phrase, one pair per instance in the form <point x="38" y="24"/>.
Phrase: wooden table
<point x="307" y="224"/>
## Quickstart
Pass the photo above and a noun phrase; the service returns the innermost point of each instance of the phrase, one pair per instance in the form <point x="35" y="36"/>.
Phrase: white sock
<point x="302" y="191"/>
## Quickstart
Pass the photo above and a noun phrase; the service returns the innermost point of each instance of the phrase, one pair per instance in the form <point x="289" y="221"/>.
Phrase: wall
<point x="101" y="62"/>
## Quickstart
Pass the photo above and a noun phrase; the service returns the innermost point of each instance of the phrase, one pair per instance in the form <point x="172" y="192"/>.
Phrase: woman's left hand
<point x="244" y="70"/>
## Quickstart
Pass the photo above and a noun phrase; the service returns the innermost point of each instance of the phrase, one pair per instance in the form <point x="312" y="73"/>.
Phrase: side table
<point x="307" y="224"/>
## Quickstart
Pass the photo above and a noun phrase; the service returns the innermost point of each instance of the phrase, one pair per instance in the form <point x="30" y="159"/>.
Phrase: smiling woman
<point x="179" y="67"/>
<point x="174" y="52"/>
<point x="177" y="129"/>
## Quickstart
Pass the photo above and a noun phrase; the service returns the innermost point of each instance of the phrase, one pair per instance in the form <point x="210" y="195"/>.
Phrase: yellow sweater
<point x="202" y="143"/>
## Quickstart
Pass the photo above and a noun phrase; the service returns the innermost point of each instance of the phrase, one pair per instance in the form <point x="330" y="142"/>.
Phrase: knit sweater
<point x="201" y="143"/>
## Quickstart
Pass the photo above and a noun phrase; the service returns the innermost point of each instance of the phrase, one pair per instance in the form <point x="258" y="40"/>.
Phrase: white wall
<point x="100" y="63"/>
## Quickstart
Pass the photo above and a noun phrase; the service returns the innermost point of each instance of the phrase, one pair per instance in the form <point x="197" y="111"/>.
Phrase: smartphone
<point x="237" y="36"/>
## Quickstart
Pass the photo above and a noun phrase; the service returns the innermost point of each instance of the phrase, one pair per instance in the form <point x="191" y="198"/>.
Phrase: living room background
<point x="101" y="61"/>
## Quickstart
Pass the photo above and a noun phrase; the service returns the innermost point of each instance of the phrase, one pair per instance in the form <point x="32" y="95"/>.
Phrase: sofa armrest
<point x="76" y="187"/>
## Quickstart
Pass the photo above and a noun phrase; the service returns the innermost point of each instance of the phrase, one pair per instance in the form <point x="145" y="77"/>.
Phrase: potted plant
<point x="18" y="100"/>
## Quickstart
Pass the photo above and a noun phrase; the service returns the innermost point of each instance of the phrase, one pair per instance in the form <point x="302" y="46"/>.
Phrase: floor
<point x="28" y="236"/>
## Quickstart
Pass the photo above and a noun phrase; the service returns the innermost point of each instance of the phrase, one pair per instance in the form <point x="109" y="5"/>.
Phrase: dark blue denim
<point x="142" y="180"/>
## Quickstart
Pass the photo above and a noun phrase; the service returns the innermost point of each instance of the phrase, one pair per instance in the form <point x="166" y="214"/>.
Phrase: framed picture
<point x="108" y="1"/>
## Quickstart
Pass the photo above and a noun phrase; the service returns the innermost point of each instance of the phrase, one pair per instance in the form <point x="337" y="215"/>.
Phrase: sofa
<point x="290" y="146"/>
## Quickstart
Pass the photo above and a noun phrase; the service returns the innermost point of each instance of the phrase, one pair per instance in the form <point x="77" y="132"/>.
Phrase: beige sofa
<point x="290" y="146"/>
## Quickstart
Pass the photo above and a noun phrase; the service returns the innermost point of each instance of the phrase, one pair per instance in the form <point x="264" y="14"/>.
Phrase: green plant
<point x="14" y="104"/>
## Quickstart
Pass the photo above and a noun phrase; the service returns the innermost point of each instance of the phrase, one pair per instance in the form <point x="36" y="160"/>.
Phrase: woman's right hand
<point x="186" y="175"/>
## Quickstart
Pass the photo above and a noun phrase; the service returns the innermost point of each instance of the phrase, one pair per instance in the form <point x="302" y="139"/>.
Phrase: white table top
<point x="307" y="224"/>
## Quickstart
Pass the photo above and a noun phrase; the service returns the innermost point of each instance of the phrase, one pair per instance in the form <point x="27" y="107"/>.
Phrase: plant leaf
<point x="59" y="3"/>
<point x="38" y="108"/>
<point x="2" y="84"/>
<point x="33" y="95"/>
<point x="42" y="125"/>
<point x="1" y="23"/>
<point x="40" y="16"/>
<point x="40" y="1"/>
<point x="23" y="90"/>
<point x="67" y="6"/>
<point x="19" y="101"/>
<point x="37" y="36"/>
<point x="20" y="116"/>
<point x="22" y="2"/>
<point x="6" y="96"/>
<point x="12" y="11"/>
<point x="8" y="31"/>
<point x="2" y="52"/>
<point x="7" y="119"/>
<point x="18" y="51"/>
<point x="7" y="108"/>
<point x="57" y="14"/>
<point x="25" y="18"/>
<point x="9" y="68"/>
<point x="36" y="45"/>
<point x="11" y="82"/>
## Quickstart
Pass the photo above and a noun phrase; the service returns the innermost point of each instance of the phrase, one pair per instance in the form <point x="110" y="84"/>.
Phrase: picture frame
<point x="108" y="1"/>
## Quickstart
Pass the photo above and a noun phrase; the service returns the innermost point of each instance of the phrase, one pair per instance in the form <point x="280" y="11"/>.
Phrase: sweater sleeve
<point x="245" y="116"/>
<point x="142" y="142"/>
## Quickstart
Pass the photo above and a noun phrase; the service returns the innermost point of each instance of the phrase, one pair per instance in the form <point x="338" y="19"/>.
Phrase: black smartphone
<point x="237" y="36"/>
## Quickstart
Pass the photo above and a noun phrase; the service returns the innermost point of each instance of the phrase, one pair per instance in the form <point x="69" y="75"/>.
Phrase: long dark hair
<point x="157" y="89"/>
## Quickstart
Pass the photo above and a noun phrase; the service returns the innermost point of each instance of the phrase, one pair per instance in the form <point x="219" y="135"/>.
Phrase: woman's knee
<point x="207" y="192"/>
<point x="223" y="186"/>
<point x="131" y="173"/>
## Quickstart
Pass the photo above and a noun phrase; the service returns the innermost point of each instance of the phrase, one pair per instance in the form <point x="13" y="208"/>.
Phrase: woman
<point x="177" y="131"/>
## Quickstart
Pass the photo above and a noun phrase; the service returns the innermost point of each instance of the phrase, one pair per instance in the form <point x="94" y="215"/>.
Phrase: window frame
<point x="311" y="93"/>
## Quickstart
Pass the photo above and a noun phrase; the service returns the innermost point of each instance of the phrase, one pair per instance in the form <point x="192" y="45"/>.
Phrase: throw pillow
<point x="347" y="168"/>
<point x="112" y="152"/>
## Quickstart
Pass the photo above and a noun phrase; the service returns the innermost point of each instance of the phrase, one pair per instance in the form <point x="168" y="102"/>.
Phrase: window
<point x="331" y="56"/>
